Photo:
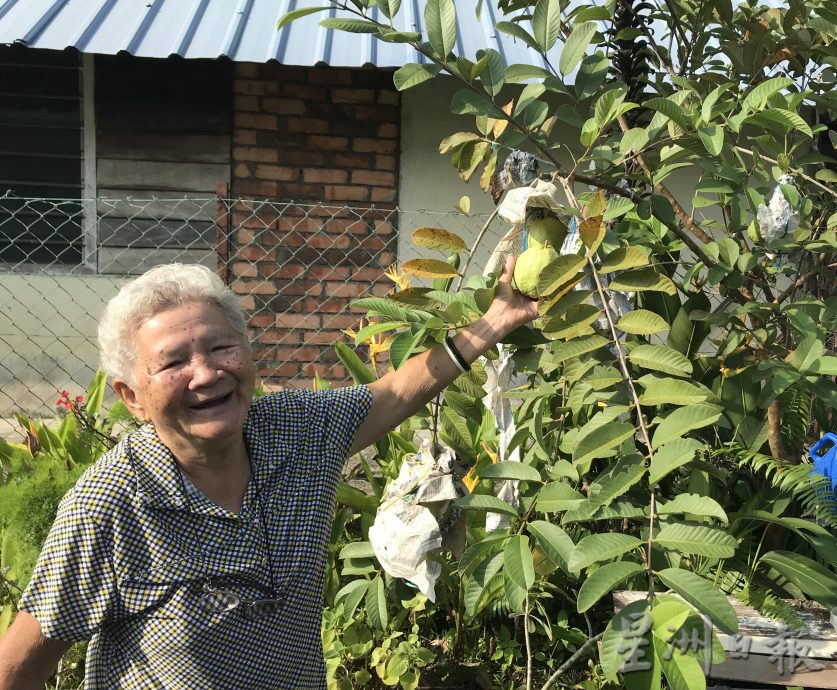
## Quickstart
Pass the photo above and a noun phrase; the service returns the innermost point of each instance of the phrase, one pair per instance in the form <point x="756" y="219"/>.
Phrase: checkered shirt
<point x="129" y="552"/>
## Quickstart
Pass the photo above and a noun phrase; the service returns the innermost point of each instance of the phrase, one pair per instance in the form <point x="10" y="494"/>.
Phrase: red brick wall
<point x="327" y="140"/>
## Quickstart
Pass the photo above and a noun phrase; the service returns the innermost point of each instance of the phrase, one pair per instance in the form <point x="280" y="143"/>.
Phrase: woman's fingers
<point x="508" y="271"/>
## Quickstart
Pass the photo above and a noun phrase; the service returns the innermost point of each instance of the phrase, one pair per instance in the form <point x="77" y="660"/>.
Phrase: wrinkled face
<point x="194" y="377"/>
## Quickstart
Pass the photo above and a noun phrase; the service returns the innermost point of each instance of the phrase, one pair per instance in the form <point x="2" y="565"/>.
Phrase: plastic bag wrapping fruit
<point x="514" y="208"/>
<point x="417" y="517"/>
<point x="777" y="218"/>
<point x="501" y="378"/>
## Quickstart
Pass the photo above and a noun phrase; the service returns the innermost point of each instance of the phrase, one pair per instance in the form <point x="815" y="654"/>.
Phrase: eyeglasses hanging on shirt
<point x="219" y="598"/>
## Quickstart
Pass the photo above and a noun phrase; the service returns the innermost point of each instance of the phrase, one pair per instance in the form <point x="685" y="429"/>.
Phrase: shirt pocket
<point x="181" y="634"/>
<point x="166" y="589"/>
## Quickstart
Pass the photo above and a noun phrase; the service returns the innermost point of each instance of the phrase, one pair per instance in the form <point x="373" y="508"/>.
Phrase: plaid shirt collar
<point x="155" y="471"/>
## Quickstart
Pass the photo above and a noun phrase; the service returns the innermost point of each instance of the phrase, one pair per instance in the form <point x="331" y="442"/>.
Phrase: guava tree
<point x="663" y="446"/>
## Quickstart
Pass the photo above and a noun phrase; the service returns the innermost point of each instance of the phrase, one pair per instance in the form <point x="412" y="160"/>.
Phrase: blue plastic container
<point x="824" y="456"/>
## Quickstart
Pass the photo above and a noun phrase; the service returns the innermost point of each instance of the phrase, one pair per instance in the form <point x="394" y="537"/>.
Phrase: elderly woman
<point x="192" y="554"/>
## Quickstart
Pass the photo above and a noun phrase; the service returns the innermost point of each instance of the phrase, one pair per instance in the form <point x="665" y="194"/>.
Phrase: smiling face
<point x="194" y="378"/>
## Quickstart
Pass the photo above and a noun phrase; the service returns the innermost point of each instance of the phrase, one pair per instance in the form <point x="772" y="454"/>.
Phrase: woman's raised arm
<point x="401" y="393"/>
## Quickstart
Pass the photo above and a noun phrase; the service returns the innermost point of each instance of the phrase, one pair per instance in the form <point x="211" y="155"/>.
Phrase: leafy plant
<point x="35" y="475"/>
<point x="662" y="445"/>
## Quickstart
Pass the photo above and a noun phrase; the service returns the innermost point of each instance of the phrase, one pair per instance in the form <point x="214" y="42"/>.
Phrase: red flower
<point x="79" y="398"/>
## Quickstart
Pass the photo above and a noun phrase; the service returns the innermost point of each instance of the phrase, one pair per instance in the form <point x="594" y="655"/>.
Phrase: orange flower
<point x="402" y="282"/>
<point x="377" y="344"/>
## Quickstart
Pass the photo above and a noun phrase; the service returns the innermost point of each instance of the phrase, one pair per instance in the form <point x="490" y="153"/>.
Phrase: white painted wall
<point x="47" y="339"/>
<point x="429" y="181"/>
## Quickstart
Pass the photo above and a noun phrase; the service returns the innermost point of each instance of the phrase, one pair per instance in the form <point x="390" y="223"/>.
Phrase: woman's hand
<point x="510" y="308"/>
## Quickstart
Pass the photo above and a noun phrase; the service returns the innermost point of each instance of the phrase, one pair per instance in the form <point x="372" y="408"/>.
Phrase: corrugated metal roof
<point x="242" y="30"/>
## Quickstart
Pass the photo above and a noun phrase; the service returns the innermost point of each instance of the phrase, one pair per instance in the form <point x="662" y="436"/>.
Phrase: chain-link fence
<point x="296" y="267"/>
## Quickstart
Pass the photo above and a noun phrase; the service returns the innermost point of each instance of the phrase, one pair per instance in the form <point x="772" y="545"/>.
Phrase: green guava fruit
<point x="528" y="268"/>
<point x="545" y="232"/>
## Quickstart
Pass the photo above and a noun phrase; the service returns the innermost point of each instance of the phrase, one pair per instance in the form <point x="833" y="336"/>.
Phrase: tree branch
<point x="663" y="191"/>
<point x="679" y="29"/>
<point x="683" y="217"/>
<point x="569" y="662"/>
<point x="626" y="375"/>
<point x="475" y="245"/>
<point x="799" y="282"/>
<point x="528" y="645"/>
<point x="611" y="188"/>
<point x="795" y="171"/>
<point x="774" y="436"/>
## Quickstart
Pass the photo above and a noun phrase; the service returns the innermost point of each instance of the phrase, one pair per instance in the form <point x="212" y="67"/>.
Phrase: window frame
<point x="87" y="177"/>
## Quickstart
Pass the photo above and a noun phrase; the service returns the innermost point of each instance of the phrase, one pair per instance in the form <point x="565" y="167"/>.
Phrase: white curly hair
<point x="158" y="289"/>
